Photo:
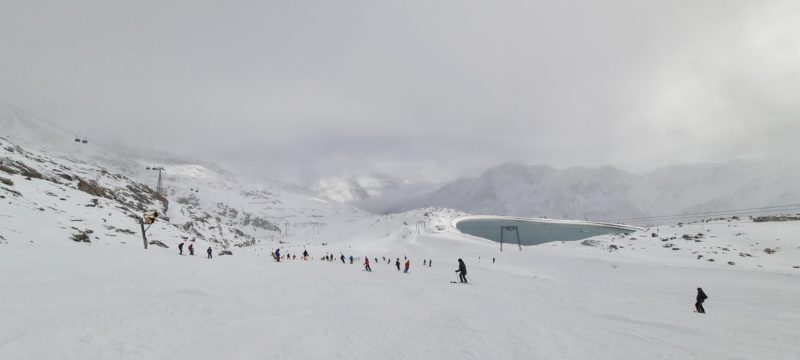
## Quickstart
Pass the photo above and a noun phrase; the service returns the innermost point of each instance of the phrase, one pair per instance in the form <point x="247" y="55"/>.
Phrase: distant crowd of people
<point x="406" y="265"/>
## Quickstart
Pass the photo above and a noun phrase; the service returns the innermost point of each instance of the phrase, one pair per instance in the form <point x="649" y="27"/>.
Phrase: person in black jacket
<point x="462" y="270"/>
<point x="701" y="296"/>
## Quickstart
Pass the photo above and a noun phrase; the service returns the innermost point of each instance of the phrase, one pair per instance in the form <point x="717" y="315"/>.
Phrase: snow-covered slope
<point x="77" y="284"/>
<point x="607" y="193"/>
<point x="606" y="298"/>
<point x="205" y="202"/>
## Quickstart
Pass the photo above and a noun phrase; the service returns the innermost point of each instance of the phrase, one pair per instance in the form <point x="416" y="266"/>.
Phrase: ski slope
<point x="611" y="297"/>
<point x="66" y="300"/>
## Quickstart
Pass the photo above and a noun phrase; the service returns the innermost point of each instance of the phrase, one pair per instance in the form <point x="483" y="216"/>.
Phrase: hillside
<point x="75" y="274"/>
<point x="607" y="193"/>
<point x="101" y="189"/>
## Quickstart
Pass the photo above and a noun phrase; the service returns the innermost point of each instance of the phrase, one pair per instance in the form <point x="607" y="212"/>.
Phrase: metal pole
<point x="144" y="237"/>
<point x="159" y="187"/>
<point x="502" y="228"/>
<point x="518" y="241"/>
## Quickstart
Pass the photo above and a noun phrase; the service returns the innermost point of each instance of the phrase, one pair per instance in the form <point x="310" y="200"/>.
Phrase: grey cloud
<point x="438" y="88"/>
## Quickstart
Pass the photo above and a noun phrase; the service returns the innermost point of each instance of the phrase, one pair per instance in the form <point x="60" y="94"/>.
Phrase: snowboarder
<point x="278" y="255"/>
<point x="366" y="264"/>
<point x="408" y="264"/>
<point x="180" y="249"/>
<point x="208" y="251"/>
<point x="397" y="263"/>
<point x="305" y="255"/>
<point x="462" y="270"/>
<point x="701" y="296"/>
<point x="191" y="249"/>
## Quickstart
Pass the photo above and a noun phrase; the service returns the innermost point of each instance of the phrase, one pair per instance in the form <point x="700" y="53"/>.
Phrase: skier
<point x="397" y="263"/>
<point x="180" y="249"/>
<point x="191" y="249"/>
<point x="462" y="270"/>
<point x="351" y="259"/>
<point x="493" y="260"/>
<point x="430" y="262"/>
<point x="701" y="296"/>
<point x="342" y="257"/>
<point x="424" y="262"/>
<point x="366" y="264"/>
<point x="305" y="255"/>
<point x="278" y="255"/>
<point x="408" y="264"/>
<point x="208" y="251"/>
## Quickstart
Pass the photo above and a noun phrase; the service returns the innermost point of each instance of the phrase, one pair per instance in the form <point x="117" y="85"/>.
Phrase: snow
<point x="622" y="297"/>
<point x="561" y="300"/>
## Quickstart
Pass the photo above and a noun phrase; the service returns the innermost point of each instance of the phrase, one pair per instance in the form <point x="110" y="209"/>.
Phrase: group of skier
<point x="191" y="250"/>
<point x="462" y="267"/>
<point x="406" y="265"/>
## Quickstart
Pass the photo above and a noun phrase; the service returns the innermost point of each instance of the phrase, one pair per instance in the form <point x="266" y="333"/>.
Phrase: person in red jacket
<point x="408" y="263"/>
<point x="366" y="264"/>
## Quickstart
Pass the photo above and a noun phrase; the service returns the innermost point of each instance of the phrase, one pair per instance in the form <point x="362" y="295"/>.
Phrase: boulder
<point x="158" y="243"/>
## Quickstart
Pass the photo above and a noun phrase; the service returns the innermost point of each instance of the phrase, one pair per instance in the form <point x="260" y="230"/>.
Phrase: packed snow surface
<point x="620" y="298"/>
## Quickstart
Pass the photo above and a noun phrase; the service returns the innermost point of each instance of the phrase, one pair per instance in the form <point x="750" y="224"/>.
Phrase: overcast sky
<point x="295" y="90"/>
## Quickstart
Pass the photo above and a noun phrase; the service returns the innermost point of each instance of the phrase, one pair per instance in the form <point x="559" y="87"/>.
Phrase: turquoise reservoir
<point x="535" y="231"/>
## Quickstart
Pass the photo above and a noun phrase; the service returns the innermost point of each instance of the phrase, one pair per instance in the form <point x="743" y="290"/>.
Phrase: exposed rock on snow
<point x="158" y="243"/>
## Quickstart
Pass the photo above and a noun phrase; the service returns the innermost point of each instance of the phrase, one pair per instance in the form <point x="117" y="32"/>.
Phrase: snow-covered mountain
<point x="607" y="193"/>
<point x="73" y="272"/>
<point x="55" y="184"/>
<point x="374" y="193"/>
